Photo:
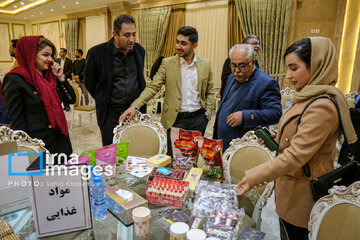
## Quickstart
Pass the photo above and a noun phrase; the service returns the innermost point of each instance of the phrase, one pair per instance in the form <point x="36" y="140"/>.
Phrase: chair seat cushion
<point x="85" y="108"/>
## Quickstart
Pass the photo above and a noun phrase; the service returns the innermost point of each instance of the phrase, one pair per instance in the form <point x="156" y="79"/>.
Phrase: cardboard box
<point x="159" y="160"/>
<point x="126" y="215"/>
<point x="193" y="178"/>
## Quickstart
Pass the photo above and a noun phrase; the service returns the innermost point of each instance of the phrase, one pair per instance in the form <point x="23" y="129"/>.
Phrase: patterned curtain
<point x="177" y="20"/>
<point x="269" y="20"/>
<point x="71" y="36"/>
<point x="235" y="34"/>
<point x="153" y="24"/>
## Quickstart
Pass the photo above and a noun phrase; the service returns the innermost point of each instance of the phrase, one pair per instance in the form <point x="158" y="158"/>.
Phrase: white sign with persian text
<point x="60" y="203"/>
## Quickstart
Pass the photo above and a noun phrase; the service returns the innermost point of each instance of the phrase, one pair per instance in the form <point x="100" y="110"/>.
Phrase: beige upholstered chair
<point x="286" y="94"/>
<point x="337" y="215"/>
<point x="23" y="141"/>
<point x="350" y="98"/>
<point x="147" y="137"/>
<point x="16" y="197"/>
<point x="80" y="109"/>
<point x="243" y="154"/>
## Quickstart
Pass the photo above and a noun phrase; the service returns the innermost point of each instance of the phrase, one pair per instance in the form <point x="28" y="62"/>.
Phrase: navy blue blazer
<point x="260" y="102"/>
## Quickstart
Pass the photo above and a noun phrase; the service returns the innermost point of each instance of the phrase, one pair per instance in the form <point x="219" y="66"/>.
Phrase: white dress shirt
<point x="62" y="62"/>
<point x="190" y="101"/>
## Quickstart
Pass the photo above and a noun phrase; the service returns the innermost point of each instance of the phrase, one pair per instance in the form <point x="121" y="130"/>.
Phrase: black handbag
<point x="342" y="176"/>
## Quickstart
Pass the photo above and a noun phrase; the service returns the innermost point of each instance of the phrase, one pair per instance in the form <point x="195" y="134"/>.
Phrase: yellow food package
<point x="193" y="178"/>
<point x="159" y="160"/>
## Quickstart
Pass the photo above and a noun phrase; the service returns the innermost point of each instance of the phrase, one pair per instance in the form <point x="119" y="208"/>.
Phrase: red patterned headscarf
<point x="26" y="50"/>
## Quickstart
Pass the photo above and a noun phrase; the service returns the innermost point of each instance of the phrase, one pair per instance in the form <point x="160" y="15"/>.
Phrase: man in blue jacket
<point x="251" y="97"/>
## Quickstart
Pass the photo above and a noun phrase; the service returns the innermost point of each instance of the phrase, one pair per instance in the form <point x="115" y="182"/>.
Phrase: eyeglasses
<point x="240" y="66"/>
<point x="255" y="43"/>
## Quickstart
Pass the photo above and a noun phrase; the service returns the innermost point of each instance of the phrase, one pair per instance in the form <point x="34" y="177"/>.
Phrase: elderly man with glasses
<point x="251" y="97"/>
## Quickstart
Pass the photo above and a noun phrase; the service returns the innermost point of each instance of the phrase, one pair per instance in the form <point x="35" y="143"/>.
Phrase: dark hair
<point x="302" y="49"/>
<point x="64" y="49"/>
<point x="13" y="42"/>
<point x="248" y="37"/>
<point x="122" y="19"/>
<point x="190" y="32"/>
<point x="43" y="42"/>
<point x="79" y="51"/>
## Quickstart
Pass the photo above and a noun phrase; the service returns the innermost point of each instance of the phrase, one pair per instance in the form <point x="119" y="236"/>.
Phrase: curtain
<point x="269" y="20"/>
<point x="211" y="20"/>
<point x="71" y="36"/>
<point x="94" y="31"/>
<point x="177" y="20"/>
<point x="152" y="24"/>
<point x="235" y="34"/>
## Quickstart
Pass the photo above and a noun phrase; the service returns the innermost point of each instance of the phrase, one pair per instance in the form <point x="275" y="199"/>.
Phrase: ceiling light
<point x="32" y="15"/>
<point x="4" y="4"/>
<point x="41" y="12"/>
<point x="15" y="6"/>
<point x="64" y="6"/>
<point x="21" y="3"/>
<point x="24" y="7"/>
<point x="51" y="10"/>
<point x="24" y="17"/>
<point x="76" y="2"/>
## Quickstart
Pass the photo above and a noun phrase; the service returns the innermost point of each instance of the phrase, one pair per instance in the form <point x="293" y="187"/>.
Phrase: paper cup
<point x="141" y="216"/>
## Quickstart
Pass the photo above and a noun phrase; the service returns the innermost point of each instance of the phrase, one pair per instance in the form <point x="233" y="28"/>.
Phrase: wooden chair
<point x="81" y="109"/>
<point x="147" y="137"/>
<point x="243" y="154"/>
<point x="337" y="215"/>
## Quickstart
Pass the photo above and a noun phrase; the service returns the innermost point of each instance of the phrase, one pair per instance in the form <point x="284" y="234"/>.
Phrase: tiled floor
<point x="83" y="138"/>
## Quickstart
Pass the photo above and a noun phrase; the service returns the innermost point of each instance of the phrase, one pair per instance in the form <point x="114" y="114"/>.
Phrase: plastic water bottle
<point x="288" y="104"/>
<point x="99" y="196"/>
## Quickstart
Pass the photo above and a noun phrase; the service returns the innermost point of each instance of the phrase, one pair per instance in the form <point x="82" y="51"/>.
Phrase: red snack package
<point x="210" y="157"/>
<point x="184" y="147"/>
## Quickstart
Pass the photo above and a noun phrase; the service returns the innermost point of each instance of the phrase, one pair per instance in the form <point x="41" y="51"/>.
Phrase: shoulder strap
<point x="306" y="167"/>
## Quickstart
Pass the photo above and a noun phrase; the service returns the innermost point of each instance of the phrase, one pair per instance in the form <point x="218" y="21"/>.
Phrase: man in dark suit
<point x="66" y="65"/>
<point x="251" y="97"/>
<point x="114" y="75"/>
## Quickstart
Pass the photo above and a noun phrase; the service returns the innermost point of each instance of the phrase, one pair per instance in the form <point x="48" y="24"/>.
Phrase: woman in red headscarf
<point x="29" y="92"/>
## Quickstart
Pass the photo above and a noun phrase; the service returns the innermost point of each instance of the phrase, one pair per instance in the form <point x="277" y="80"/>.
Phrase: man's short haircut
<point x="13" y="42"/>
<point x="190" y="32"/>
<point x="122" y="19"/>
<point x="248" y="37"/>
<point x="80" y="51"/>
<point x="248" y="47"/>
<point x="64" y="49"/>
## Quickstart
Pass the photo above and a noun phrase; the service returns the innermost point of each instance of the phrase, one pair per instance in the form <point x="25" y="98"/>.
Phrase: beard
<point x="77" y="56"/>
<point x="12" y="55"/>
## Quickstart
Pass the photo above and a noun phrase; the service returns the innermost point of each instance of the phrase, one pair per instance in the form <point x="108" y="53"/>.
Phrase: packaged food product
<point x="210" y="157"/>
<point x="159" y="160"/>
<point x="185" y="148"/>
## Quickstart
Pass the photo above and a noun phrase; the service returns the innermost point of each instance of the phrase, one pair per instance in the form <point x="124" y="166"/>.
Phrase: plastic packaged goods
<point x="210" y="197"/>
<point x="184" y="147"/>
<point x="178" y="231"/>
<point x="210" y="157"/>
<point x="288" y="104"/>
<point x="98" y="194"/>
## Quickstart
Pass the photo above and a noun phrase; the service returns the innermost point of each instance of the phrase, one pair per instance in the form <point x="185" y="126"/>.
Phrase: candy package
<point x="184" y="147"/>
<point x="112" y="159"/>
<point x="210" y="197"/>
<point x="210" y="157"/>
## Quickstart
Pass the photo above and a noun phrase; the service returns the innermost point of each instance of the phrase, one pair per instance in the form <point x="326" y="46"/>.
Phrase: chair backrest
<point x="24" y="142"/>
<point x="337" y="215"/>
<point x="77" y="93"/>
<point x="286" y="94"/>
<point x="243" y="154"/>
<point x="147" y="137"/>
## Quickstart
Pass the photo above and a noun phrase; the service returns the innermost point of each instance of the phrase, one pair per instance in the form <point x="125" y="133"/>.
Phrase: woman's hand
<point x="57" y="71"/>
<point x="242" y="187"/>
